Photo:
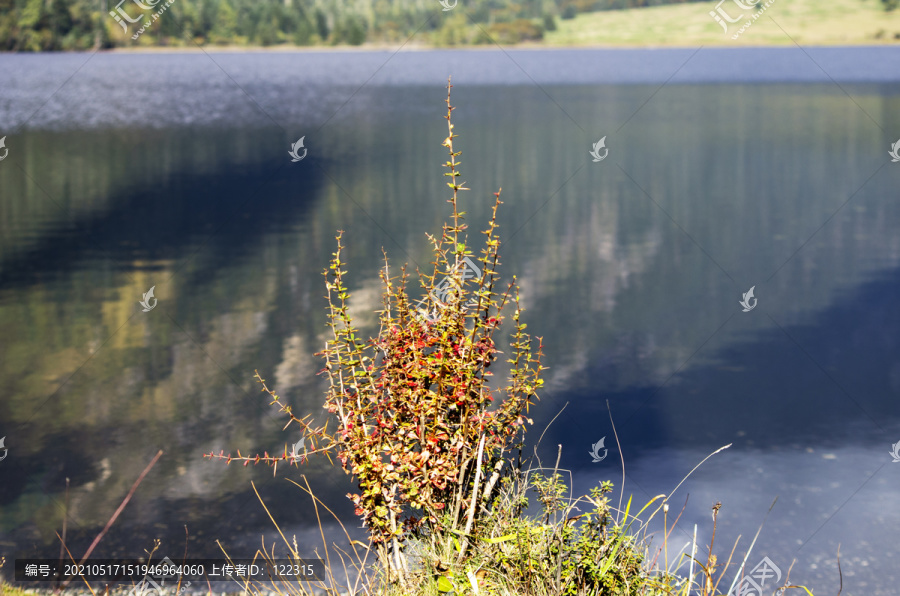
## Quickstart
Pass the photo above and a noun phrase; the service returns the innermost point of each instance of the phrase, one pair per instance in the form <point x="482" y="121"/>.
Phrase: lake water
<point x="726" y="169"/>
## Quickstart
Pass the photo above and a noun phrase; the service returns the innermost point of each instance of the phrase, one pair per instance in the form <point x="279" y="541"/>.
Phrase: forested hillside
<point x="34" y="25"/>
<point x="53" y="25"/>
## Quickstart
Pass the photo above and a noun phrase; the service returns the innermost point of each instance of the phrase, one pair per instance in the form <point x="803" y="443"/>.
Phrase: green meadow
<point x="783" y="23"/>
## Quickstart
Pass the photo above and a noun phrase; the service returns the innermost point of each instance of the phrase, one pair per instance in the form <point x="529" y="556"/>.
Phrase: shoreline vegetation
<point x="437" y="454"/>
<point x="289" y="25"/>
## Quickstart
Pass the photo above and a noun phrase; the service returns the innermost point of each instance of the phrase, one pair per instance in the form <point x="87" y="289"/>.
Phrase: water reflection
<point x="631" y="270"/>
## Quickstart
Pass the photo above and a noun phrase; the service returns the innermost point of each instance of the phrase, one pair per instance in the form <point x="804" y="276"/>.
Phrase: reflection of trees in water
<point x="619" y="294"/>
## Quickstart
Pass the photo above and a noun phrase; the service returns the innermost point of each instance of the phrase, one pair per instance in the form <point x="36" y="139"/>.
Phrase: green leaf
<point x="444" y="585"/>
<point x="500" y="539"/>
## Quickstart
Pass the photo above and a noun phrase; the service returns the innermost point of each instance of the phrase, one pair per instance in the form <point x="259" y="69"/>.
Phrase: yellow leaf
<point x="444" y="585"/>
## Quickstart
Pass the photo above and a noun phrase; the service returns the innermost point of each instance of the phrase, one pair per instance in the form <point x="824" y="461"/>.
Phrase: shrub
<point x="415" y="424"/>
<point x="515" y="31"/>
<point x="549" y="22"/>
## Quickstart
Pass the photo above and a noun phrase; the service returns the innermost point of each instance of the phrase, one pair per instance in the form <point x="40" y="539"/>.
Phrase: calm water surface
<point x="726" y="169"/>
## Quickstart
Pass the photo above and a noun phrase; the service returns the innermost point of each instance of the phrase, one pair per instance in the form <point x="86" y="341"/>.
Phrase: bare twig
<point x="621" y="455"/>
<point x="840" y="573"/>
<point x="62" y="542"/>
<point x="744" y="562"/>
<point x="119" y="510"/>
<point x="471" y="515"/>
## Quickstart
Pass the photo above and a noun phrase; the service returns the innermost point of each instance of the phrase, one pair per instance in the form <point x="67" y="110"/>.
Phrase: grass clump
<point x="8" y="589"/>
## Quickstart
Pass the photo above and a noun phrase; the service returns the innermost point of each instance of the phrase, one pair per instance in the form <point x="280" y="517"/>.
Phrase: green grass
<point x="784" y="22"/>
<point x="8" y="590"/>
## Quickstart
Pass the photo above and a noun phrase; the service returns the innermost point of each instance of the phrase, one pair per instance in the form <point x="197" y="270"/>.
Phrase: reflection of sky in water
<point x="825" y="496"/>
<point x="162" y="88"/>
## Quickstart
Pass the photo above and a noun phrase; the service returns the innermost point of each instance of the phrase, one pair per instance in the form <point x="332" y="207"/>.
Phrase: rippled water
<point x="726" y="169"/>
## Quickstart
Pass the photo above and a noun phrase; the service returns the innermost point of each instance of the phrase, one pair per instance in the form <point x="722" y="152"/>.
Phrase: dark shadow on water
<point x="766" y="391"/>
<point x="224" y="214"/>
